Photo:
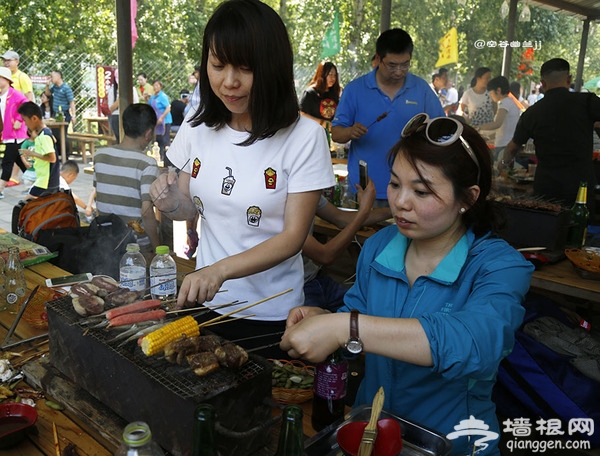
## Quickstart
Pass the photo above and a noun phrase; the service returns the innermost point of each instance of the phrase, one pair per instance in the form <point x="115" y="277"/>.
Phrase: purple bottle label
<point x="331" y="380"/>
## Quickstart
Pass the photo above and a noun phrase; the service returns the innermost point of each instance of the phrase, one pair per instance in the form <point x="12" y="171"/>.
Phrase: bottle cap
<point x="132" y="247"/>
<point x="162" y="249"/>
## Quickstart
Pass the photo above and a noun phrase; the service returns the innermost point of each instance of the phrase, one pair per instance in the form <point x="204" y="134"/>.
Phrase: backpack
<point x="96" y="248"/>
<point x="57" y="210"/>
<point x="535" y="381"/>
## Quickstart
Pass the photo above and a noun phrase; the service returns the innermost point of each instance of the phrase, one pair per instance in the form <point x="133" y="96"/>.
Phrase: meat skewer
<point x="131" y="318"/>
<point x="381" y="117"/>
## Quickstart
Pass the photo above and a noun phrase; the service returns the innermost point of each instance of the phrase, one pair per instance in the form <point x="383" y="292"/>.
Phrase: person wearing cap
<point x="562" y="127"/>
<point x="14" y="130"/>
<point x="21" y="81"/>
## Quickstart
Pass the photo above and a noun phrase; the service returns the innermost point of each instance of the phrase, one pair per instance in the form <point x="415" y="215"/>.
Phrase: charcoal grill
<point x="164" y="395"/>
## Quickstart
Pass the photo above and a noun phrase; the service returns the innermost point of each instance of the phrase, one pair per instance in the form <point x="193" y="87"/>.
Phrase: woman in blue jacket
<point x="438" y="295"/>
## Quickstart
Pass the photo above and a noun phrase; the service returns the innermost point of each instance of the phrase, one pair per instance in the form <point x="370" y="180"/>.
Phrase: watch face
<point x="354" y="346"/>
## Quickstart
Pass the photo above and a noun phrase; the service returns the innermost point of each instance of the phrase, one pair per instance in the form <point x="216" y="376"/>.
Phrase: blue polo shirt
<point x="363" y="101"/>
<point x="62" y="96"/>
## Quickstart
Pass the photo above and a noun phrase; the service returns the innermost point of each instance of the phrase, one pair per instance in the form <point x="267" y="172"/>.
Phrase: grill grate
<point x="180" y="380"/>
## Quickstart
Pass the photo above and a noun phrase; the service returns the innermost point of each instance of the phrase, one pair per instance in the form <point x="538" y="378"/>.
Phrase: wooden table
<point x="70" y="429"/>
<point x="63" y="136"/>
<point x="100" y="121"/>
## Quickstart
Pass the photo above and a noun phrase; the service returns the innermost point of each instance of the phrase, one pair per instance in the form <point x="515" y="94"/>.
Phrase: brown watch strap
<point x="354" y="324"/>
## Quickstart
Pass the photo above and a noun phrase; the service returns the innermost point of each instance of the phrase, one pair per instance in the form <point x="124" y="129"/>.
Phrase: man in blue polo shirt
<point x="63" y="96"/>
<point x="375" y="107"/>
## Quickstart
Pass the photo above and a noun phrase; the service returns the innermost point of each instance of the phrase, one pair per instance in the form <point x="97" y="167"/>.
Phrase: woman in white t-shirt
<point x="476" y="106"/>
<point x="507" y="115"/>
<point x="251" y="166"/>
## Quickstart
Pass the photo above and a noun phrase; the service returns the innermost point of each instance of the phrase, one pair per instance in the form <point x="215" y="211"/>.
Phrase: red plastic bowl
<point x="15" y="421"/>
<point x="387" y="443"/>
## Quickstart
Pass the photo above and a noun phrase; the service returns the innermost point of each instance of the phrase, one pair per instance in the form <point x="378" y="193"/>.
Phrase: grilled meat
<point x="203" y="363"/>
<point x="231" y="355"/>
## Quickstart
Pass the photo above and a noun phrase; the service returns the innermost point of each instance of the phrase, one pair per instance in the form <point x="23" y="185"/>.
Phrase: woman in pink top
<point x="14" y="130"/>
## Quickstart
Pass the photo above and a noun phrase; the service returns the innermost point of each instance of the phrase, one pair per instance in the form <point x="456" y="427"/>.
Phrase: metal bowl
<point x="15" y="422"/>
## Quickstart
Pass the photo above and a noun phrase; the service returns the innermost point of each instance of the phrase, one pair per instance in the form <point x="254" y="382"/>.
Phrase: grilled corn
<point x="154" y="343"/>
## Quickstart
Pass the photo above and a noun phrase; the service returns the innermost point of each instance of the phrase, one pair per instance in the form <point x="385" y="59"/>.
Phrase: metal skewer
<point x="244" y="308"/>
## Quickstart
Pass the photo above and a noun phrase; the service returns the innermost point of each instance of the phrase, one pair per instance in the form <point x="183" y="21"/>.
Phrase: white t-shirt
<point x="479" y="107"/>
<point x="505" y="133"/>
<point x="241" y="193"/>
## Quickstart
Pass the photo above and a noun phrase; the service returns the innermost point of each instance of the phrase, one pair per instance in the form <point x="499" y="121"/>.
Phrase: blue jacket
<point x="469" y="307"/>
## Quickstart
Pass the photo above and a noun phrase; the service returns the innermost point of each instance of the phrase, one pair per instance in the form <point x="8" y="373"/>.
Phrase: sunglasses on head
<point x="441" y="131"/>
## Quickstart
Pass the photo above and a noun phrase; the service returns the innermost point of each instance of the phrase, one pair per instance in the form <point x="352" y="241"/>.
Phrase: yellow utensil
<point x="370" y="434"/>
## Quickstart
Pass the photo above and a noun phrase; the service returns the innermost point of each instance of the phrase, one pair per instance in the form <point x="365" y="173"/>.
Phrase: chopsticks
<point x="209" y="322"/>
<point x="56" y="442"/>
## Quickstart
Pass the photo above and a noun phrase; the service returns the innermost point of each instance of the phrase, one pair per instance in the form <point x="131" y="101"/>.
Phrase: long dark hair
<point x="460" y="169"/>
<point x="479" y="72"/>
<point x="249" y="33"/>
<point x="319" y="80"/>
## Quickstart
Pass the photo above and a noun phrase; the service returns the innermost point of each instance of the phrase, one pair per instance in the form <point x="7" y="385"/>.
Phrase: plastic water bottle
<point x="15" y="285"/>
<point x="132" y="269"/>
<point x="137" y="441"/>
<point x="163" y="275"/>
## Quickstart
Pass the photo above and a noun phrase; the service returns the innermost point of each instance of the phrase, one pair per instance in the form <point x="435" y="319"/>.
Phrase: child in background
<point x="29" y="175"/>
<point x="44" y="153"/>
<point x="68" y="173"/>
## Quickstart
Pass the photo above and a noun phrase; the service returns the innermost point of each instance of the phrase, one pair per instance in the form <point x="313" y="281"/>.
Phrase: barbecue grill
<point x="164" y="395"/>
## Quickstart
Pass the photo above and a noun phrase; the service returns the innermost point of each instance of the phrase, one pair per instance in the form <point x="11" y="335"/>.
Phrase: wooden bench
<point x="88" y="139"/>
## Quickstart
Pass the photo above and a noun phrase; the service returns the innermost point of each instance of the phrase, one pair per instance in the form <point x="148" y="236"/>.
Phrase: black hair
<point x="553" y="65"/>
<point x="515" y="89"/>
<point x="30" y="109"/>
<point x="479" y="72"/>
<point x="59" y="73"/>
<point x="138" y="118"/>
<point x="456" y="164"/>
<point x="395" y="41"/>
<point x="248" y="33"/>
<point x="142" y="74"/>
<point x="499" y="82"/>
<point x="70" y="166"/>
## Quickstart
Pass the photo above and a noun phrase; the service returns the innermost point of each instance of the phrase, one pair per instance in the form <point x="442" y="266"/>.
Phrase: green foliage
<point x="170" y="32"/>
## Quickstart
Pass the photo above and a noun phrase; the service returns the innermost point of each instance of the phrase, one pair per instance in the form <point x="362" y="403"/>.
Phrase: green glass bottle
<point x="580" y="218"/>
<point x="291" y="436"/>
<point x="60" y="117"/>
<point x="204" y="431"/>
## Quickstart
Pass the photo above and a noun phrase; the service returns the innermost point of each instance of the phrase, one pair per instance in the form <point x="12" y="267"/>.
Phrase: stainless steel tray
<point x="417" y="440"/>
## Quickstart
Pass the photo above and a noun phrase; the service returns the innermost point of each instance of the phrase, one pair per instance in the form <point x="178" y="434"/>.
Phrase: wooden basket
<point x="586" y="259"/>
<point x="291" y="395"/>
<point x="35" y="312"/>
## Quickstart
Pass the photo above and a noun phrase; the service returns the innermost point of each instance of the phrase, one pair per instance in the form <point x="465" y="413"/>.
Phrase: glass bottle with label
<point x="204" y="431"/>
<point x="291" y="435"/>
<point x="15" y="284"/>
<point x="132" y="269"/>
<point x="329" y="390"/>
<point x="580" y="218"/>
<point x="163" y="275"/>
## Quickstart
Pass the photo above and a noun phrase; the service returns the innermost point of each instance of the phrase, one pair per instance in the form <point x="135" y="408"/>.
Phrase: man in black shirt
<point x="178" y="109"/>
<point x="562" y="127"/>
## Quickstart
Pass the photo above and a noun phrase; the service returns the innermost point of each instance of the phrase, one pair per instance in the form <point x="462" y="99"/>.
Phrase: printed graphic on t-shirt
<point x="228" y="182"/>
<point x="199" y="205"/>
<point x="253" y="215"/>
<point x="270" y="178"/>
<point x="327" y="108"/>
<point x="196" y="167"/>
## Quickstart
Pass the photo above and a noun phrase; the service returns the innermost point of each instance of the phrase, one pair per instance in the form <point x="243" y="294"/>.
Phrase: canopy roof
<point x="581" y="9"/>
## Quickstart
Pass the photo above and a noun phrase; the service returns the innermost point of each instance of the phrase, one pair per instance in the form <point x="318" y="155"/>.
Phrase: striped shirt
<point x="62" y="96"/>
<point x="122" y="179"/>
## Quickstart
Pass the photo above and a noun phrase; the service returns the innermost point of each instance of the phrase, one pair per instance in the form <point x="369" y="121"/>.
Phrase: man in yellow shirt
<point x="21" y="81"/>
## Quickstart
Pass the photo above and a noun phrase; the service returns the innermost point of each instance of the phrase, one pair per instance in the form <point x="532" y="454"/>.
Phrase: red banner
<point x="105" y="79"/>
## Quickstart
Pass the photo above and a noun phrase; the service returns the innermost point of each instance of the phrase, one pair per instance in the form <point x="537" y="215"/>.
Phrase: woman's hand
<point x="316" y="335"/>
<point x="200" y="286"/>
<point x="301" y="312"/>
<point x="165" y="193"/>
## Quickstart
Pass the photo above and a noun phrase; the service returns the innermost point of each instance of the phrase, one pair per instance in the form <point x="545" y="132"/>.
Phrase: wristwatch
<point x="354" y="344"/>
